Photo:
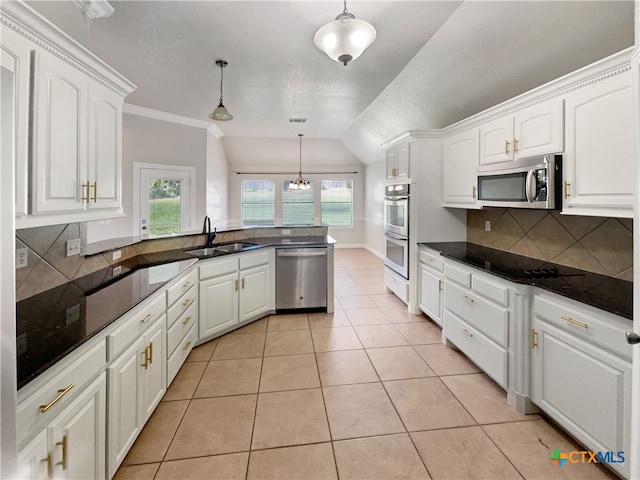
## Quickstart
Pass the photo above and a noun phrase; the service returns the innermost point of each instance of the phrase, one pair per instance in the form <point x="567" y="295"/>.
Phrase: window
<point x="258" y="202"/>
<point x="336" y="197"/>
<point x="297" y="205"/>
<point x="164" y="206"/>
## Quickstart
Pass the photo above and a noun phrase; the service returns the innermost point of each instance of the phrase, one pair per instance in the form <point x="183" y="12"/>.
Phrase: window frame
<point x="275" y="201"/>
<point x="336" y="179"/>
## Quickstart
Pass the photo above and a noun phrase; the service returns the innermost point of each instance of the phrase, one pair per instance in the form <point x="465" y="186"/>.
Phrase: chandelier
<point x="345" y="38"/>
<point x="300" y="183"/>
<point x="221" y="113"/>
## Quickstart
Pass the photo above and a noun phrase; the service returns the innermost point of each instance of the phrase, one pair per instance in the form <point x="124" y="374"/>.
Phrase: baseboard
<point x="349" y="245"/>
<point x="375" y="252"/>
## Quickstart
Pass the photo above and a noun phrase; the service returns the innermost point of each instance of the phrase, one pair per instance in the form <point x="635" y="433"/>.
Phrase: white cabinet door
<point x="218" y="304"/>
<point x="539" y="129"/>
<point x="125" y="417"/>
<point x="431" y="293"/>
<point x="598" y="161"/>
<point x="105" y="147"/>
<point x="153" y="374"/>
<point x="402" y="162"/>
<point x="14" y="105"/>
<point x="565" y="370"/>
<point x="35" y="462"/>
<point x="461" y="153"/>
<point x="391" y="165"/>
<point x="254" y="292"/>
<point x="496" y="140"/>
<point x="59" y="136"/>
<point x="77" y="438"/>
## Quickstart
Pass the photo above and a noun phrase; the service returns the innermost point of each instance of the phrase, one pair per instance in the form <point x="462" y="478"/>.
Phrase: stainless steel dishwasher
<point x="301" y="278"/>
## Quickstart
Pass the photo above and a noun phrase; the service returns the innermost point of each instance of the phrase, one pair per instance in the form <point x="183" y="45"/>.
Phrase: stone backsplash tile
<point x="595" y="244"/>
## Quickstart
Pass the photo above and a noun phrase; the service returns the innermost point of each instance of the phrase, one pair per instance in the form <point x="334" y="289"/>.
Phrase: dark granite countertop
<point x="607" y="293"/>
<point x="53" y="323"/>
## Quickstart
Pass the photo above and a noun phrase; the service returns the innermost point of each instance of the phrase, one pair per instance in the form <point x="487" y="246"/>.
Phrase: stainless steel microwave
<point x="528" y="183"/>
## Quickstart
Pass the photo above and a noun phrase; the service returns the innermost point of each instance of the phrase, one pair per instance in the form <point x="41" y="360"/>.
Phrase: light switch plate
<point x="116" y="255"/>
<point x="286" y="231"/>
<point x="487" y="226"/>
<point x="73" y="247"/>
<point x="22" y="257"/>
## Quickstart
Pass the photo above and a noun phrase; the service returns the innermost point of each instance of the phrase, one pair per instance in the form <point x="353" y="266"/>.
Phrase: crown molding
<point x="93" y="9"/>
<point x="172" y="118"/>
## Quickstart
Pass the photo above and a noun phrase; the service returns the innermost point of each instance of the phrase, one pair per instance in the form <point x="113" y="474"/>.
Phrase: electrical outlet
<point x="286" y="231"/>
<point x="22" y="257"/>
<point x="116" y="270"/>
<point x="116" y="255"/>
<point x="73" y="247"/>
<point x="487" y="226"/>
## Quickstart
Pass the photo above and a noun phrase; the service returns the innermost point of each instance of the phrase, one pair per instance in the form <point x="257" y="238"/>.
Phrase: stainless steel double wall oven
<point x="396" y="228"/>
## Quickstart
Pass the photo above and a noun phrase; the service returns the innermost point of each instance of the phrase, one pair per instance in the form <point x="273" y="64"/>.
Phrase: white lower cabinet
<point x="136" y="385"/>
<point x="73" y="445"/>
<point x="430" y="268"/>
<point x="583" y="385"/>
<point x="236" y="289"/>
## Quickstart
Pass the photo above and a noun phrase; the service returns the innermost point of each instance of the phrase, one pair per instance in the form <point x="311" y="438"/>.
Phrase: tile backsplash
<point x="596" y="244"/>
<point x="48" y="266"/>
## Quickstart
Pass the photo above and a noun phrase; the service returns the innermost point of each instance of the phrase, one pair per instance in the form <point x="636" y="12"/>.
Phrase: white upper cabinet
<point x="598" y="161"/>
<point x="534" y="130"/>
<point x="460" y="163"/>
<point x="398" y="162"/>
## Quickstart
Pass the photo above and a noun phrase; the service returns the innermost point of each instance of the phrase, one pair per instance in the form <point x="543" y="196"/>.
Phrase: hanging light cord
<point x="221" y="77"/>
<point x="300" y="171"/>
<point x="345" y="7"/>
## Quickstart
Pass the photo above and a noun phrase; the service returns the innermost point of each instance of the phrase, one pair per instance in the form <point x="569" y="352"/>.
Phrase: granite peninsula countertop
<point x="53" y="323"/>
<point x="607" y="293"/>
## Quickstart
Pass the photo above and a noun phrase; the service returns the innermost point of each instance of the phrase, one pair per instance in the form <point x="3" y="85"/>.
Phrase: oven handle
<point x="401" y="197"/>
<point x="395" y="236"/>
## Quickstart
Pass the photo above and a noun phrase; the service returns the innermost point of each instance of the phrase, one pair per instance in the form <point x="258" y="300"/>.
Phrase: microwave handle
<point x="531" y="186"/>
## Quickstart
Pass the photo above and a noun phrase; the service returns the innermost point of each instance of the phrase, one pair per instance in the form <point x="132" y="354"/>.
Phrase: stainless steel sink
<point x="219" y="249"/>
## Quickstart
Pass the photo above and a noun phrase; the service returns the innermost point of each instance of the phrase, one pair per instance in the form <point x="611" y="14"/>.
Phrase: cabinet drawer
<point x="75" y="370"/>
<point x="490" y="319"/>
<point x="458" y="275"/>
<point x="254" y="259"/>
<point x="188" y="299"/>
<point x="181" y="327"/>
<point x="174" y="292"/>
<point x="132" y="324"/>
<point x="217" y="267"/>
<point x="490" y="289"/>
<point x="601" y="328"/>
<point x="397" y="285"/>
<point x="178" y="357"/>
<point x="431" y="260"/>
<point x="483" y="352"/>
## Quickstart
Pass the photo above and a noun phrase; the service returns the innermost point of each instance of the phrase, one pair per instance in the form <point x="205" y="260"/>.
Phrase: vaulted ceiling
<point x="432" y="64"/>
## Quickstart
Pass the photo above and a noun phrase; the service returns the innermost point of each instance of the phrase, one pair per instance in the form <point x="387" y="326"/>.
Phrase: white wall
<point x="217" y="185"/>
<point x="375" y="177"/>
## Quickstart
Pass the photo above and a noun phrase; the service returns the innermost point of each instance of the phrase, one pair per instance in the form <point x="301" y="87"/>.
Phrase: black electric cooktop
<point x="55" y="322"/>
<point x="607" y="293"/>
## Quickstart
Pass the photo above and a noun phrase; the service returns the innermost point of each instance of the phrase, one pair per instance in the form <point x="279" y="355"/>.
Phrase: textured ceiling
<point x="432" y="64"/>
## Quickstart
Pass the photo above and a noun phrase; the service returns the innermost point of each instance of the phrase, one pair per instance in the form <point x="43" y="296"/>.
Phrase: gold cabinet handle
<point x="95" y="192"/>
<point x="469" y="299"/>
<point x="575" y="322"/>
<point x="236" y="284"/>
<point x="394" y="172"/>
<point x="506" y="147"/>
<point x="439" y="285"/>
<point x="61" y="393"/>
<point x="186" y="302"/>
<point x="186" y="320"/>
<point x="49" y="461"/>
<point x="467" y="332"/>
<point x="566" y="189"/>
<point x="474" y="192"/>
<point x="243" y="283"/>
<point x="147" y="318"/>
<point x="63" y="444"/>
<point x="186" y="285"/>
<point x="187" y="345"/>
<point x="515" y="145"/>
<point x="150" y="353"/>
<point x="85" y="186"/>
<point x="534" y="338"/>
<point x="145" y="355"/>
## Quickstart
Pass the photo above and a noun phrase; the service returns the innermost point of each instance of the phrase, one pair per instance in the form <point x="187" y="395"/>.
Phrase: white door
<point x="496" y="140"/>
<point x="461" y="154"/>
<point x="167" y="200"/>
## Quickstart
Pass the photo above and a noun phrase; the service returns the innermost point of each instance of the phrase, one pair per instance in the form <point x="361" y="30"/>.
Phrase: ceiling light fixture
<point x="300" y="183"/>
<point x="221" y="113"/>
<point x="345" y="38"/>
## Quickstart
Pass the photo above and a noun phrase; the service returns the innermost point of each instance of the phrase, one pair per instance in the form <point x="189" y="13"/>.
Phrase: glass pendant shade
<point x="221" y="113"/>
<point x="345" y="38"/>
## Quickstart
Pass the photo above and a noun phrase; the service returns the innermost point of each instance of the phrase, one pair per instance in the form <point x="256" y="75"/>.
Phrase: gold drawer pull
<point x="467" y="332"/>
<point x="145" y="354"/>
<point x="506" y="147"/>
<point x="61" y="393"/>
<point x="186" y="302"/>
<point x="515" y="145"/>
<point x="187" y="345"/>
<point x="150" y="353"/>
<point x="147" y="318"/>
<point x="469" y="299"/>
<point x="534" y="338"/>
<point x="575" y="322"/>
<point x="49" y="461"/>
<point x="85" y="186"/>
<point x="95" y="192"/>
<point x="439" y="285"/>
<point x="186" y="285"/>
<point x="186" y="320"/>
<point x="63" y="444"/>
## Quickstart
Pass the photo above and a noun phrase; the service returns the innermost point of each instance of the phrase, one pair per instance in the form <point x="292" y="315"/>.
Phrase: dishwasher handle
<point x="289" y="253"/>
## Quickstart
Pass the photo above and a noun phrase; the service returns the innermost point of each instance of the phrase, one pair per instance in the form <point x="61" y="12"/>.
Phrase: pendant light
<point x="300" y="183"/>
<point x="345" y="38"/>
<point x="221" y="113"/>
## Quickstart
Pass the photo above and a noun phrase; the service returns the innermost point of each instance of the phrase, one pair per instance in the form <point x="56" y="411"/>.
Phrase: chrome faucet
<point x="206" y="228"/>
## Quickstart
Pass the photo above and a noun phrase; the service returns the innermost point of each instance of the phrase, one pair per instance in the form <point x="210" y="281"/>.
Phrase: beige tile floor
<point x="368" y="392"/>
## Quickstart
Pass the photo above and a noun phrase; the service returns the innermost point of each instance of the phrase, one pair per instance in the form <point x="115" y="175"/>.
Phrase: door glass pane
<point x="164" y="206"/>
